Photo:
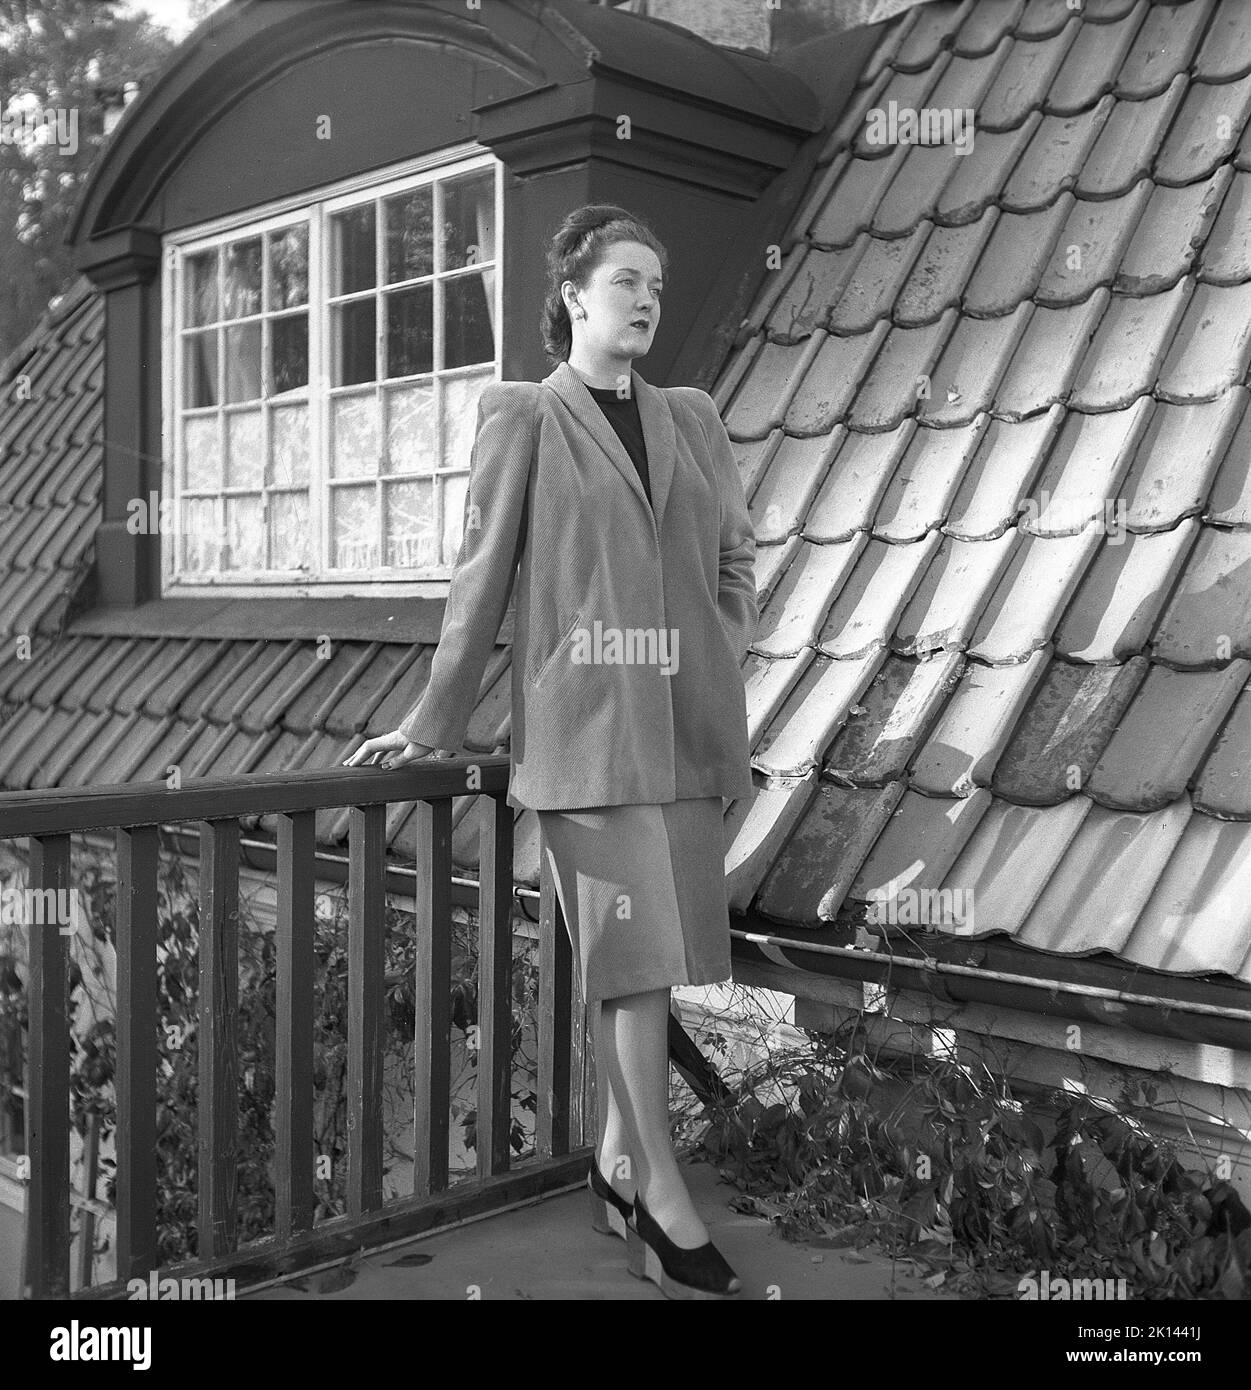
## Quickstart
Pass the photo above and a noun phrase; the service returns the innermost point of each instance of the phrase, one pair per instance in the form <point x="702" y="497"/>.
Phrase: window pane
<point x="354" y="528"/>
<point x="289" y="351"/>
<point x="410" y="331"/>
<point x="411" y="440"/>
<point x="468" y="220"/>
<point x="354" y="250"/>
<point x="354" y="342"/>
<point x="243" y="278"/>
<point x="411" y="539"/>
<point x="199" y="538"/>
<point x="243" y="363"/>
<point x="410" y="235"/>
<point x="460" y="416"/>
<point x="200" y="385"/>
<point x="288" y="268"/>
<point x="245" y="534"/>
<point x="455" y="491"/>
<point x="202" y="454"/>
<point x="201" y="289"/>
<point x="467" y="335"/>
<point x="355" y="435"/>
<point x="245" y="463"/>
<point x="289" y="446"/>
<point x="288" y="531"/>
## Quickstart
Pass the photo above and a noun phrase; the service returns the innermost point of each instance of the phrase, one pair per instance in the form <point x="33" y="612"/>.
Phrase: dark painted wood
<point x="555" y="1020"/>
<point x="135" y="1080"/>
<point x="91" y="1173"/>
<point x="50" y="811"/>
<point x="366" y="956"/>
<point x="432" y="909"/>
<point x="47" y="1080"/>
<point x="341" y="1238"/>
<point x="217" y="1108"/>
<point x="495" y="979"/>
<point x="294" y="1158"/>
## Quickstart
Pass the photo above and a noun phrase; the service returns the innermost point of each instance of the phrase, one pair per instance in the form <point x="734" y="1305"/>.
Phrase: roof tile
<point x="939" y="274"/>
<point x="933" y="31"/>
<point x="1230" y="503"/>
<point x="925" y="482"/>
<point x="1064" y="729"/>
<point x="909" y="91"/>
<point x="1043" y="18"/>
<point x="830" y="382"/>
<point x="818" y="281"/>
<point x="894" y="31"/>
<point x="850" y="123"/>
<point x="1092" y="63"/>
<point x="1223" y="787"/>
<point x="949" y="600"/>
<point x="879" y="273"/>
<point x="1129" y="142"/>
<point x="1226" y="49"/>
<point x="1103" y="881"/>
<point x="1022" y="83"/>
<point x="1055" y="155"/>
<point x="1177" y="458"/>
<point x="1046" y="360"/>
<point x="762" y="399"/>
<point x="1023" y="611"/>
<point x="766" y="684"/>
<point x="1015" y="257"/>
<point x="1124" y="360"/>
<point x="756" y="827"/>
<point x="997" y="480"/>
<point x="753" y="457"/>
<point x="1120" y="597"/>
<point x="1174" y="225"/>
<point x="882" y="732"/>
<point x="1205" y="130"/>
<point x="1084" y="471"/>
<point x="920" y="843"/>
<point x="873" y="595"/>
<point x="1226" y="256"/>
<point x="857" y="479"/>
<point x="771" y="563"/>
<point x="812" y="715"/>
<point x="853" y="196"/>
<point x="1162" y="48"/>
<point x="1208" y="618"/>
<point x="786" y="490"/>
<point x="981" y="173"/>
<point x="1011" y="855"/>
<point x="914" y="194"/>
<point x="964" y="746"/>
<point x="888" y="394"/>
<point x="1197" y="920"/>
<point x="1163" y="736"/>
<point x="813" y="873"/>
<point x="974" y="359"/>
<point x="986" y="26"/>
<point x="791" y="618"/>
<point x="824" y="181"/>
<point x="1090" y="245"/>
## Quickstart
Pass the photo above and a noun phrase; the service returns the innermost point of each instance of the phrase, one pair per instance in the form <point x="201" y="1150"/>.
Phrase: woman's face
<point x="621" y="300"/>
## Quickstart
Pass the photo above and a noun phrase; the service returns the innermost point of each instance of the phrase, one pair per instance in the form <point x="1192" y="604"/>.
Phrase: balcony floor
<point x="547" y="1250"/>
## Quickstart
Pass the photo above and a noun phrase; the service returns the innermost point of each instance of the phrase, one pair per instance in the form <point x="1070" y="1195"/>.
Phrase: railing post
<point x="495" y="971"/>
<point x="366" y="954"/>
<point x="555" y="1017"/>
<point x="135" y="1080"/>
<point x="433" y="1031"/>
<point x="293" y="1054"/>
<point x="218" y="1104"/>
<point x="47" y="1083"/>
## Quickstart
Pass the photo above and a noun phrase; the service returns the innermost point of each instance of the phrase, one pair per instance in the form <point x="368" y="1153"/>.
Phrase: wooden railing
<point x="134" y="812"/>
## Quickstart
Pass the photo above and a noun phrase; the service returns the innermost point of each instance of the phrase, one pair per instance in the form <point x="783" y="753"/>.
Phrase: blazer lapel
<point x="659" y="435"/>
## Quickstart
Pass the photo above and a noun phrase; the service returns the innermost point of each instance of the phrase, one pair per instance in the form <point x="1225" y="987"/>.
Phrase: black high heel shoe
<point x="693" y="1274"/>
<point x="610" y="1214"/>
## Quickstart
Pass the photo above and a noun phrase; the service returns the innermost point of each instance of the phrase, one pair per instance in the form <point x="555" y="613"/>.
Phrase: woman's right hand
<point x="393" y="749"/>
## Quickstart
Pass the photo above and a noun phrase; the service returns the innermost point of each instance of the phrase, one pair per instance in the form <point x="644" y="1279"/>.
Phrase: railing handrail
<point x="69" y="810"/>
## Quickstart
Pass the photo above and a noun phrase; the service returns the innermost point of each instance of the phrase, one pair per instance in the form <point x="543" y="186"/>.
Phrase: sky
<point x="172" y="15"/>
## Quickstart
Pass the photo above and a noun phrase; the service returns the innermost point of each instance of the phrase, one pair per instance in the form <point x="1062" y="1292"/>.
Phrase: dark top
<point x="623" y="416"/>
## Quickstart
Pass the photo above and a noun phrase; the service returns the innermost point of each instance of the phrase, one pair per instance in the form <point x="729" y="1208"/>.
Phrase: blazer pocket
<point x="560" y="646"/>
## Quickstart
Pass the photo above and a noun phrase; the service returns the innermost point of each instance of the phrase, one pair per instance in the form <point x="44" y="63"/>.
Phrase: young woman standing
<point x="622" y="505"/>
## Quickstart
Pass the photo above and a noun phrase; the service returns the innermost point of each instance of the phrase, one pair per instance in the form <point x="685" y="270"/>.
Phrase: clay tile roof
<point x="1204" y="131"/>
<point x="1162" y="48"/>
<point x="1225" y="52"/>
<point x="1174" y="224"/>
<point x="1022" y="82"/>
<point x="1128" y="142"/>
<point x="1225" y="257"/>
<point x="1054" y="157"/>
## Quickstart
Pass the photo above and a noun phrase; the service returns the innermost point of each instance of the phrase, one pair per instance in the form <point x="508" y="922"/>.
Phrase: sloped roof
<point x="1006" y="624"/>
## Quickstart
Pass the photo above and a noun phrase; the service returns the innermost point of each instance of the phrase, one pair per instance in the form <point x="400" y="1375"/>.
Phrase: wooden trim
<point x="293" y="1025"/>
<point x="367" y="847"/>
<point x="432" y="1040"/>
<point x="495" y="979"/>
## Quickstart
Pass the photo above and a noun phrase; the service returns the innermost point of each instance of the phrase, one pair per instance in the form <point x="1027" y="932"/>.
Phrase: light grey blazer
<point x="600" y="719"/>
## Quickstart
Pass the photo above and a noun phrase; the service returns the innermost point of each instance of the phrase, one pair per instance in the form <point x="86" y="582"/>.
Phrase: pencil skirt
<point x="642" y="889"/>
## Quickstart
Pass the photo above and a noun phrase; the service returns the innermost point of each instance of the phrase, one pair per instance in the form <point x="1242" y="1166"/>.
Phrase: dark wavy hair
<point x="575" y="251"/>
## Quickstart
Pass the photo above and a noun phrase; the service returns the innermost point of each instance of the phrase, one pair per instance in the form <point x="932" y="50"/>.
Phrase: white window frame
<point x="316" y="211"/>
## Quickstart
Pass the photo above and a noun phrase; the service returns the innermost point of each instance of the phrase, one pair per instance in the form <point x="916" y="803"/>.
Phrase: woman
<point x="623" y="507"/>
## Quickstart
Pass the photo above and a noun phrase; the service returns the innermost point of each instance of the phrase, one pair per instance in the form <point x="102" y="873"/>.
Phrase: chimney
<point x="115" y="100"/>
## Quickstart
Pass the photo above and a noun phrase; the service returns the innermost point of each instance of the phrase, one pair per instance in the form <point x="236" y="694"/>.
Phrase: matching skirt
<point x="642" y="889"/>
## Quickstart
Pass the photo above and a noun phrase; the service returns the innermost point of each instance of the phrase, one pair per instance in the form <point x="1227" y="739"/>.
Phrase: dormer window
<point x="324" y="361"/>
